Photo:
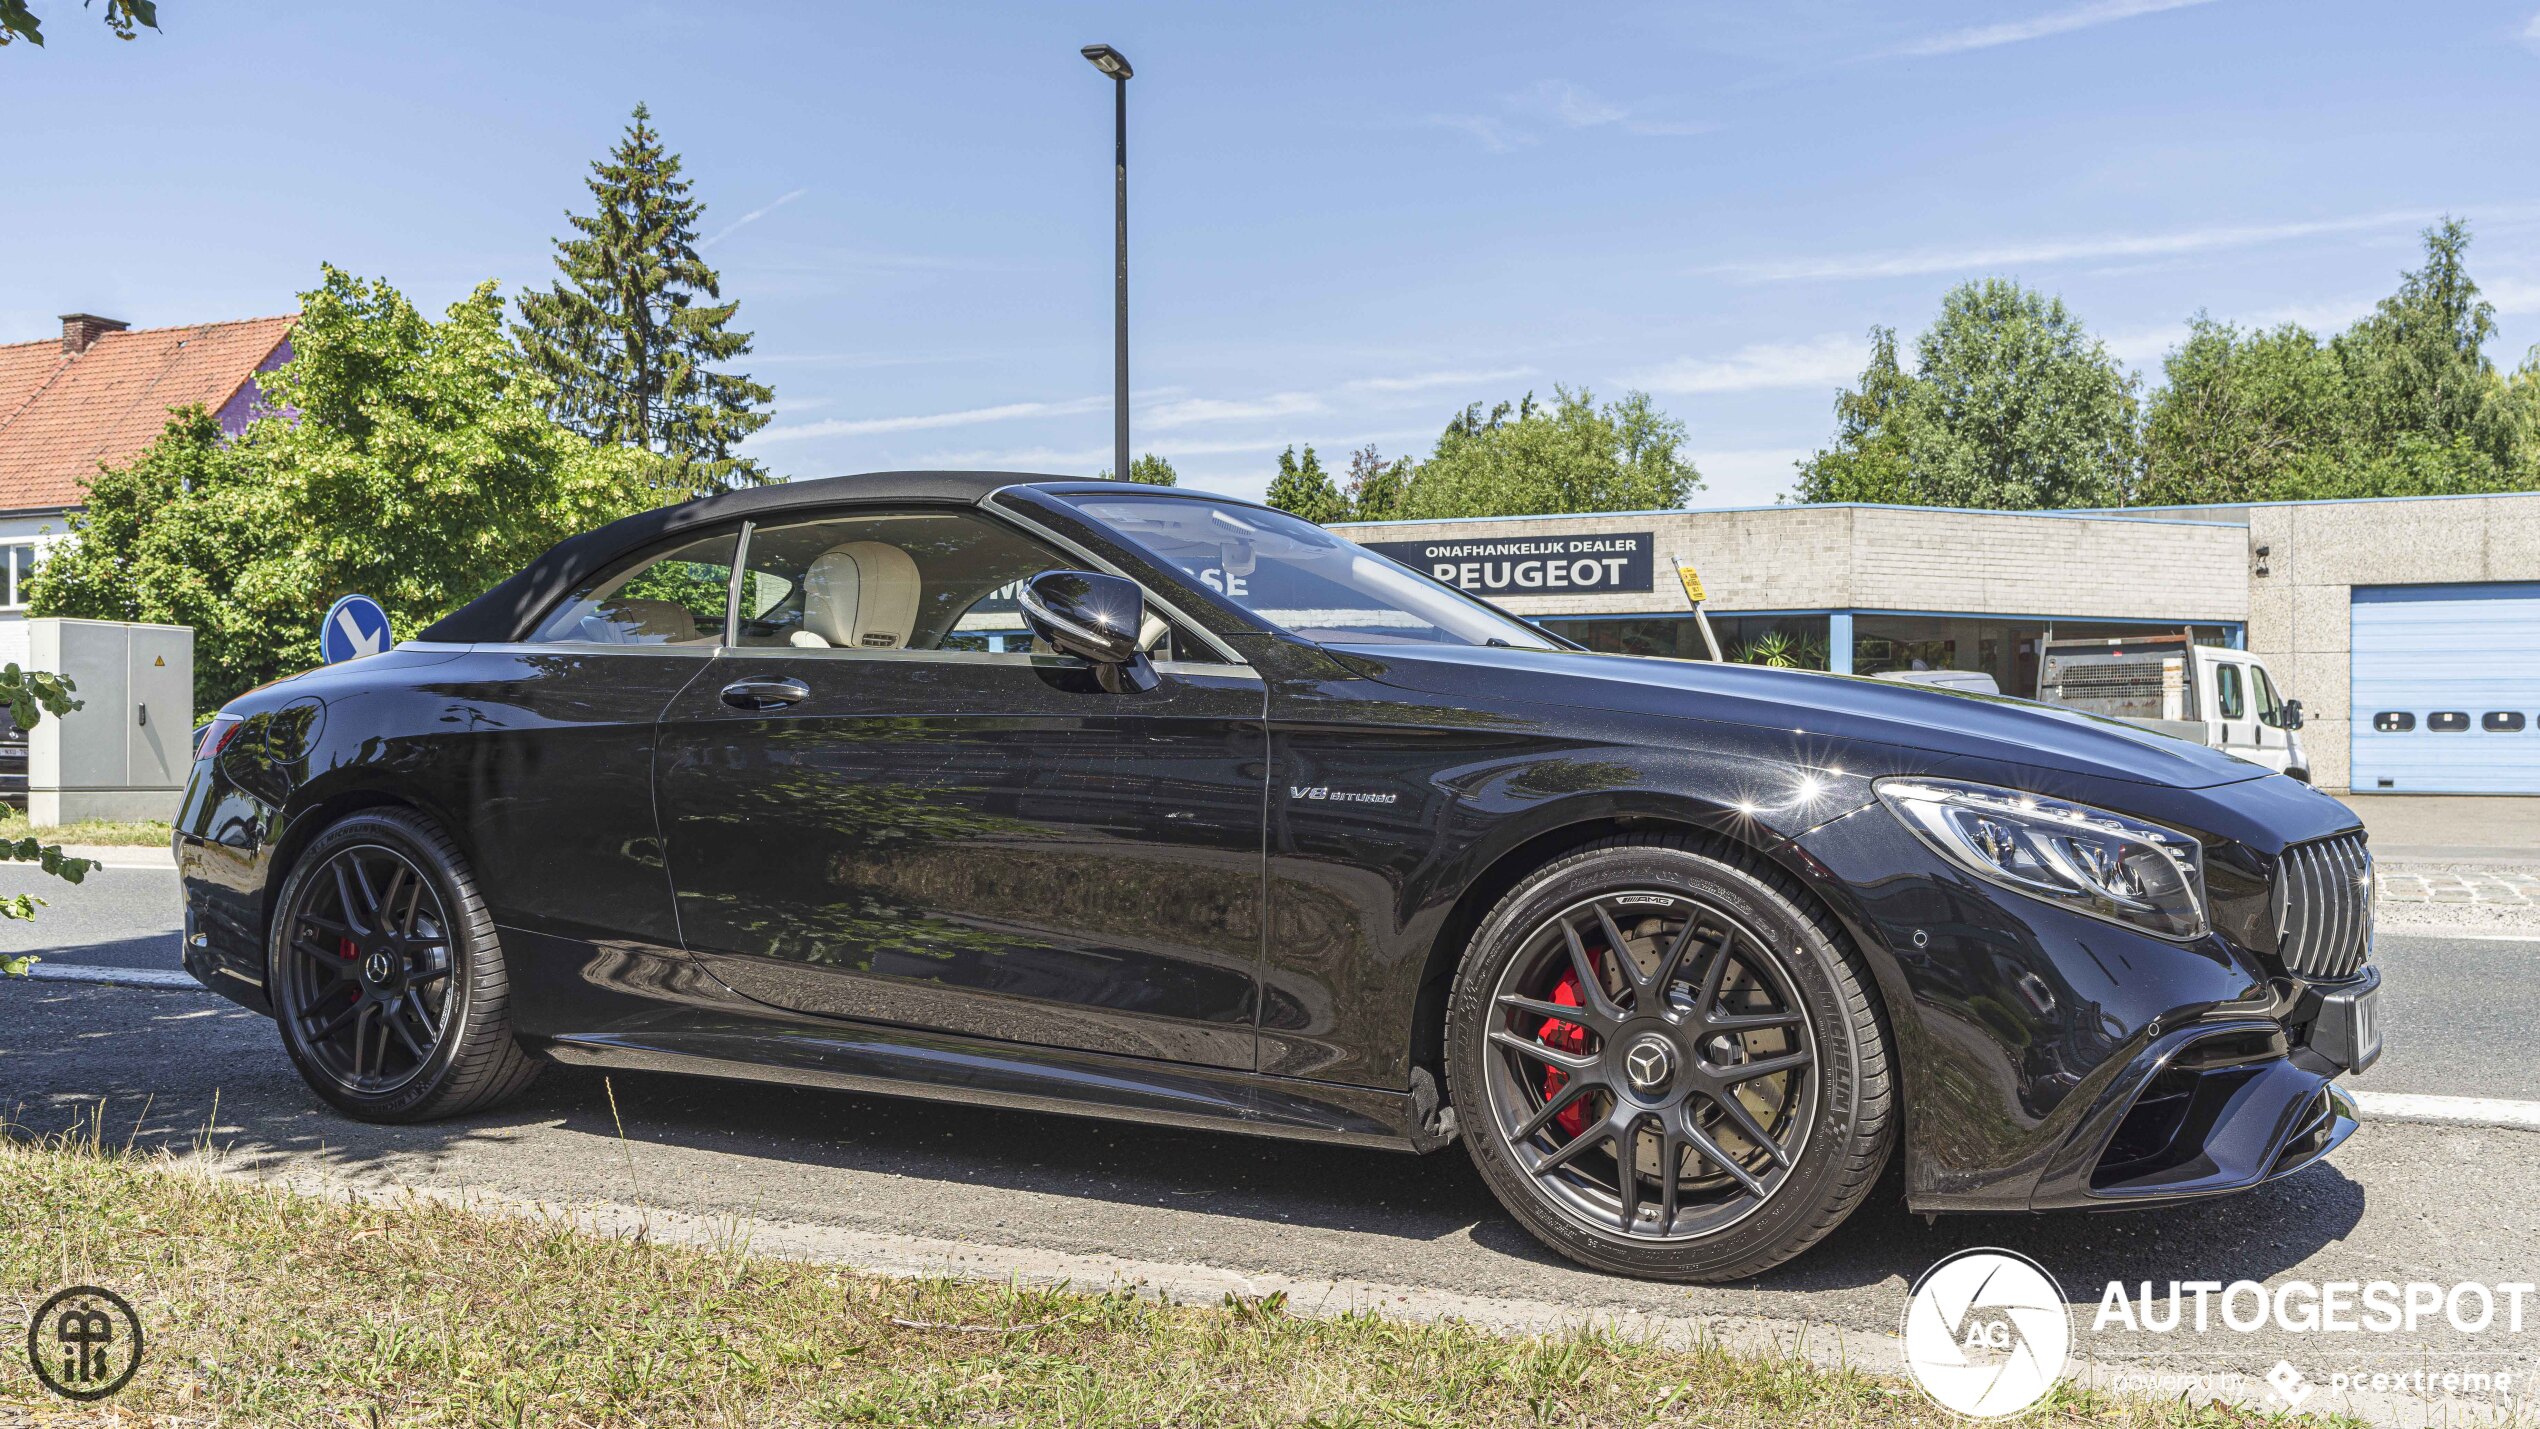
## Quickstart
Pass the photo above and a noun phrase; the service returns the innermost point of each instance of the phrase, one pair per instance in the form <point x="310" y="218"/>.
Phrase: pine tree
<point x="1305" y="489"/>
<point x="624" y="338"/>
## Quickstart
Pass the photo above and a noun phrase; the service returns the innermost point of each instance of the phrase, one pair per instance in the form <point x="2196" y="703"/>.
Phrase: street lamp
<point x="1116" y="65"/>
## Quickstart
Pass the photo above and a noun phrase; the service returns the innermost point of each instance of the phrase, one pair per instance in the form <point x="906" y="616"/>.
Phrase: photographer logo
<point x="1987" y="1333"/>
<point x="85" y="1343"/>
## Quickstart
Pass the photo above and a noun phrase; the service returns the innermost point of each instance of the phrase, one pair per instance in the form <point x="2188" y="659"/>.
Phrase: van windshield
<point x="1301" y="578"/>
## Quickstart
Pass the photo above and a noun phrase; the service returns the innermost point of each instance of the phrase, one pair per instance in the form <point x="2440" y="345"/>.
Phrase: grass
<point x="262" y="1307"/>
<point x="123" y="834"/>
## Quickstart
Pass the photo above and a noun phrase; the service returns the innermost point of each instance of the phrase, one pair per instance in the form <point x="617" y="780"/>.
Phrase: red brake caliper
<point x="1567" y="1037"/>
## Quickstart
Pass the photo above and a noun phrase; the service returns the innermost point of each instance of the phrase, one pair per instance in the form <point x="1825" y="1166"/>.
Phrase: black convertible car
<point x="1106" y="799"/>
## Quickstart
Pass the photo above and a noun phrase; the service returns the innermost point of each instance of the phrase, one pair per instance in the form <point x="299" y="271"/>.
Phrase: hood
<point x="1954" y="724"/>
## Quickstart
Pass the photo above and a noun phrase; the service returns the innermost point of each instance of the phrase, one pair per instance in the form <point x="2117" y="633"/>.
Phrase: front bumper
<point x="2206" y="1110"/>
<point x="2048" y="1060"/>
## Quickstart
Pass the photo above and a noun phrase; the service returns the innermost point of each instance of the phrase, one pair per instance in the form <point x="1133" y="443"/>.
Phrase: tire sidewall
<point x="471" y="941"/>
<point x="1813" y="964"/>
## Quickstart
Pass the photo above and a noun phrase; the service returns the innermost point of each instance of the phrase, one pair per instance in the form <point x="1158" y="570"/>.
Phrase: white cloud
<point x="871" y="426"/>
<point x="1833" y="359"/>
<point x="1915" y="261"/>
<point x="1749" y="477"/>
<point x="1494" y="135"/>
<point x="1425" y="381"/>
<point x="2531" y="33"/>
<point x="2513" y="295"/>
<point x="753" y="216"/>
<point x="1558" y="101"/>
<point x="2057" y="22"/>
<point x="1192" y="411"/>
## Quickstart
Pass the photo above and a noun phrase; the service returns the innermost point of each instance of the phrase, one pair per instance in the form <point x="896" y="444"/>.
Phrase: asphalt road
<point x="2402" y="1202"/>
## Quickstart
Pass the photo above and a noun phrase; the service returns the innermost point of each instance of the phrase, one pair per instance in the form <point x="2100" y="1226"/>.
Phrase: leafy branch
<point x="30" y="696"/>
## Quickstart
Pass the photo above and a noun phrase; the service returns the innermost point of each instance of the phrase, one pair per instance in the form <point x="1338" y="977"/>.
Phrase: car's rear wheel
<point x="386" y="977"/>
<point x="1667" y="1062"/>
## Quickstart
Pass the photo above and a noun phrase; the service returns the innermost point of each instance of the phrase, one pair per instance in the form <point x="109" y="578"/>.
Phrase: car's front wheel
<point x="1668" y="1063"/>
<point x="386" y="977"/>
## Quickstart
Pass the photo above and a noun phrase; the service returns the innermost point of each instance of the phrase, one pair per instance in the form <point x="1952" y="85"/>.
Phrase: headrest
<point x="862" y="595"/>
<point x="637" y="620"/>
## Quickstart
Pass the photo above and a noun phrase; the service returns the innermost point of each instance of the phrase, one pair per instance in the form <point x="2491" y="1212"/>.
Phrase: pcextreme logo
<point x="1987" y="1333"/>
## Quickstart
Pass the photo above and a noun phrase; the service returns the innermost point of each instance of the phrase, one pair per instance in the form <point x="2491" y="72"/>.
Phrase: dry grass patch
<point x="268" y="1308"/>
<point x="142" y="833"/>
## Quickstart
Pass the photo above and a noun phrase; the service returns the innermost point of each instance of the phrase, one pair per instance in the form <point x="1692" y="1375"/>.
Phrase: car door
<point x="880" y="803"/>
<point x="2274" y="744"/>
<point x="542" y="764"/>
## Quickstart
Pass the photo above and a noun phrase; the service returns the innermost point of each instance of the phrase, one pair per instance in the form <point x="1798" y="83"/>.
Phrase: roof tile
<point x="61" y="416"/>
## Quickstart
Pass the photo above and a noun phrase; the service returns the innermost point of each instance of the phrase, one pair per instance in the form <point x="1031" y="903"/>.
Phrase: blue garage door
<point x="2447" y="689"/>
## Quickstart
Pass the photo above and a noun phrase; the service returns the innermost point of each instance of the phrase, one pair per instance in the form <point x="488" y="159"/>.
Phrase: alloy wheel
<point x="1651" y="1065"/>
<point x="369" y="964"/>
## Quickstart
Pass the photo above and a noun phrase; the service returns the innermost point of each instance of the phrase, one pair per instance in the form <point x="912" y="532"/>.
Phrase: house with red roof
<point x="95" y="397"/>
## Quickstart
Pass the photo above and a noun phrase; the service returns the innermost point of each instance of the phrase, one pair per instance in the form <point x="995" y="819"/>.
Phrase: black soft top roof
<point x="501" y="614"/>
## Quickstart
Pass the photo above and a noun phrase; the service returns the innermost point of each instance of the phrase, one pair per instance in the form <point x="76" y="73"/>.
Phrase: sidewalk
<point x="2451" y="828"/>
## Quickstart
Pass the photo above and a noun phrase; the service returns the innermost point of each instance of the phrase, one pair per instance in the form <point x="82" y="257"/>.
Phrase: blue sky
<point x="1347" y="220"/>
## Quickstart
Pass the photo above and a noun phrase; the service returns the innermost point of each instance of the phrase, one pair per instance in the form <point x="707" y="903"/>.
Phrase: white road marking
<point x="2404" y="931"/>
<point x="2463" y="1111"/>
<point x="124" y="977"/>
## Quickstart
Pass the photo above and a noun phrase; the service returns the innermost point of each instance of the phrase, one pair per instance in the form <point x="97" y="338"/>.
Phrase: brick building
<point x="2408" y="627"/>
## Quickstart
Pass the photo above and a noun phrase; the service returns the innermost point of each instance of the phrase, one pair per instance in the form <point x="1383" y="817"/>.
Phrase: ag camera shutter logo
<point x="1987" y="1333"/>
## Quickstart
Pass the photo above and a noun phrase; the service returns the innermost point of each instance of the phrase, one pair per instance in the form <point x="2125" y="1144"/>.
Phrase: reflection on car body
<point x="1096" y="798"/>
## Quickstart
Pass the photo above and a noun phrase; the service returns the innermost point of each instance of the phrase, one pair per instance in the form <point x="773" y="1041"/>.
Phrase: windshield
<point x="1303" y="579"/>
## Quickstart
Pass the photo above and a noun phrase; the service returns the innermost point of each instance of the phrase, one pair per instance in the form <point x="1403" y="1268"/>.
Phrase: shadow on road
<point x="63" y="1049"/>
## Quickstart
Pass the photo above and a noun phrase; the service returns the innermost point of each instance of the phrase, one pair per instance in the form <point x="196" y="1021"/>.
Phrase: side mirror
<point x="2287" y="716"/>
<point x="1094" y="618"/>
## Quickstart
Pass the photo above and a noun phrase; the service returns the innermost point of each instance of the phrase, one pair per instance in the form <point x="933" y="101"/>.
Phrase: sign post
<point x="354" y="626"/>
<point x="1693" y="592"/>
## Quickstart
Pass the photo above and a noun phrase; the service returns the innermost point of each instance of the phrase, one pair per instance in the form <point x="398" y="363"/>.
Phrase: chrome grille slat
<point x="2323" y="907"/>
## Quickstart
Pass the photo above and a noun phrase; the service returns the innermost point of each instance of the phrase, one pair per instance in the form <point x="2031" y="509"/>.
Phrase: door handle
<point x="757" y="694"/>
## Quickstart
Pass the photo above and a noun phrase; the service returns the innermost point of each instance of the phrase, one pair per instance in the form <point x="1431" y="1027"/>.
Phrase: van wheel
<point x="387" y="981"/>
<point x="1668" y="1063"/>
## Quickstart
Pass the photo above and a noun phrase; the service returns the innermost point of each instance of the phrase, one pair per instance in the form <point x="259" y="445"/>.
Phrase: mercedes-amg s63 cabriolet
<point x="1133" y="802"/>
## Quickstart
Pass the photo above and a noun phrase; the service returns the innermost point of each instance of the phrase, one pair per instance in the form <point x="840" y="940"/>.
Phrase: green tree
<point x="2012" y="406"/>
<point x="1572" y="456"/>
<point x="124" y="17"/>
<point x="2403" y="403"/>
<point x="400" y="457"/>
<point x="1304" y="488"/>
<point x="625" y="341"/>
<point x="2242" y="417"/>
<point x="2418" y="366"/>
<point x="1148" y="469"/>
<point x="1869" y="460"/>
<point x="1377" y="489"/>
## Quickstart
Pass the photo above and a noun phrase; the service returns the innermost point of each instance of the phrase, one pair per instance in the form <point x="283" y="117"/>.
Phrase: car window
<point x="903" y="580"/>
<point x="665" y="596"/>
<point x="2267" y="702"/>
<point x="1302" y="578"/>
<point x="2227" y="693"/>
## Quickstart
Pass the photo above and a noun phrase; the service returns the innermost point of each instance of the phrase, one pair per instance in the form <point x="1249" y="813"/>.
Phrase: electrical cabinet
<point x="125" y="752"/>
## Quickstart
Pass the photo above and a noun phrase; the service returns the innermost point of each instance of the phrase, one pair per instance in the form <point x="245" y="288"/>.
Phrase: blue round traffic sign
<point x="355" y="626"/>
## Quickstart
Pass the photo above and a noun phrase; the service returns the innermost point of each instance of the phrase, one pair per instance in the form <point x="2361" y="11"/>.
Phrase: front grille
<point x="2323" y="907"/>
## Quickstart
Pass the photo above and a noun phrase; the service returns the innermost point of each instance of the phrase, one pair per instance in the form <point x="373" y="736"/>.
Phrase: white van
<point x="2223" y="698"/>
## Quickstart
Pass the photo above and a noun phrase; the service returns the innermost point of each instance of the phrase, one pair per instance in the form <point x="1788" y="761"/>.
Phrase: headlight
<point x="2092" y="861"/>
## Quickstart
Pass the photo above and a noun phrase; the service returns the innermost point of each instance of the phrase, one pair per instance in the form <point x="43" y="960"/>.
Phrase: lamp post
<point x="1116" y="65"/>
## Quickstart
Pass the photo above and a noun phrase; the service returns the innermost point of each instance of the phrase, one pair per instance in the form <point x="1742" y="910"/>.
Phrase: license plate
<point x="2351" y="1021"/>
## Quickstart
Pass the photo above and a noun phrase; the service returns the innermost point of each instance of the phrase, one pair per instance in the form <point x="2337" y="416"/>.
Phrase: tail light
<point x="216" y="735"/>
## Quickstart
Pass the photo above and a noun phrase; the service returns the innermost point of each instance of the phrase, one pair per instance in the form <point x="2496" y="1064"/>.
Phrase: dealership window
<point x="1794" y="641"/>
<point x="2005" y="648"/>
<point x="17" y="567"/>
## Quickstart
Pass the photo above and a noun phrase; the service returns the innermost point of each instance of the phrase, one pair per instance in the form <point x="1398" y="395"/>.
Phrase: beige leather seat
<point x="639" y="620"/>
<point x="859" y="596"/>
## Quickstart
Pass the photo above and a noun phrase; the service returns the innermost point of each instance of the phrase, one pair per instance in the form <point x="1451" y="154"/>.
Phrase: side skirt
<point x="890" y="1061"/>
